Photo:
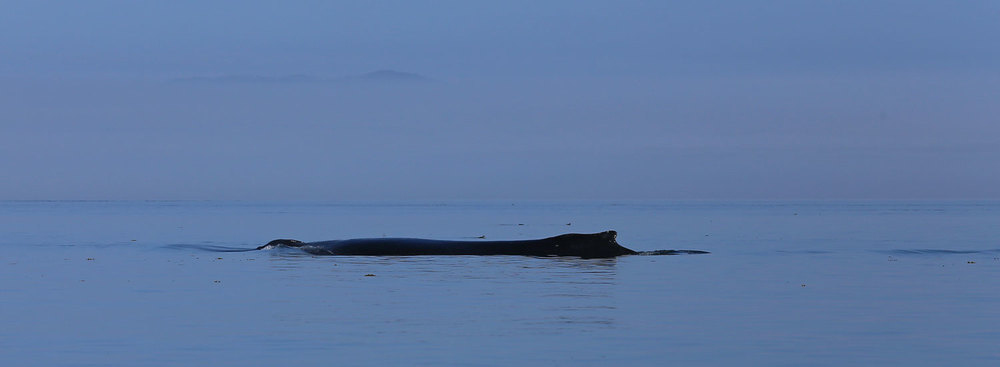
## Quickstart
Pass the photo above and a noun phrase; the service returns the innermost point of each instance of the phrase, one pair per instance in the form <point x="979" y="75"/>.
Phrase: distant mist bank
<point x="907" y="135"/>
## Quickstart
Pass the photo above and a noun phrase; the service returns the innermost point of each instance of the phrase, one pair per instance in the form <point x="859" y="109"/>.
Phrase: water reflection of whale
<point x="596" y="245"/>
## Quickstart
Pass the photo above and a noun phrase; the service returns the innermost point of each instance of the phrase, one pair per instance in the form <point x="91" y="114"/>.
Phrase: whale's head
<point x="595" y="245"/>
<point x="282" y="243"/>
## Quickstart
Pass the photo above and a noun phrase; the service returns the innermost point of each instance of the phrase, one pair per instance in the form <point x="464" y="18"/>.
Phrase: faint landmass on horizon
<point x="378" y="76"/>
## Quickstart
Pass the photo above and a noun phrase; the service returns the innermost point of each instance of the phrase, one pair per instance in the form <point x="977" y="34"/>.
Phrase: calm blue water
<point x="787" y="284"/>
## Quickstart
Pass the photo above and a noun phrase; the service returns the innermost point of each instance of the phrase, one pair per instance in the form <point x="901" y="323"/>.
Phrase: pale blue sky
<point x="529" y="100"/>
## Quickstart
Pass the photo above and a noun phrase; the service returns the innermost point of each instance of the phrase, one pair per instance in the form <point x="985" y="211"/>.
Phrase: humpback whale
<point x="595" y="245"/>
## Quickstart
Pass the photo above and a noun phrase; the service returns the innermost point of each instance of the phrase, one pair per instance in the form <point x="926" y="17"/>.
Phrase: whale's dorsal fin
<point x="609" y="235"/>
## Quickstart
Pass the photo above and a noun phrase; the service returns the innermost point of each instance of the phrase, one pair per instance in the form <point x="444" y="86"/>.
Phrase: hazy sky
<point x="527" y="100"/>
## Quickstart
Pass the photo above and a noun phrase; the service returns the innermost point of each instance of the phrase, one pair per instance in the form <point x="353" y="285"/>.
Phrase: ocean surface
<point x="803" y="283"/>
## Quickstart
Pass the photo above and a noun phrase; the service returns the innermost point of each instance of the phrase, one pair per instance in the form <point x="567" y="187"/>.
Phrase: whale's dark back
<point x="596" y="245"/>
